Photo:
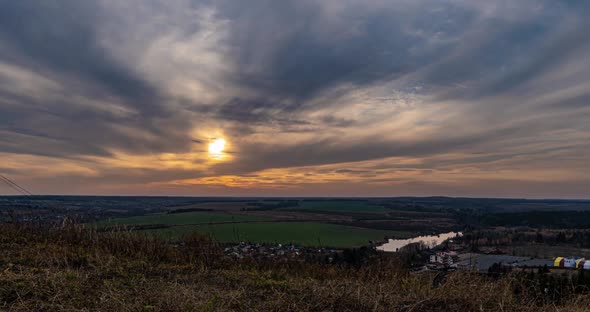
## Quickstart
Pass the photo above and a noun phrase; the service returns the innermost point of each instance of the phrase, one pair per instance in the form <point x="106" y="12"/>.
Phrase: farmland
<point x="300" y="233"/>
<point x="340" y="206"/>
<point x="181" y="219"/>
<point x="231" y="227"/>
<point x="338" y="222"/>
<point x="328" y="223"/>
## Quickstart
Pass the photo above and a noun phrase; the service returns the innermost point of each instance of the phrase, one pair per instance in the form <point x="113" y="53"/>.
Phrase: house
<point x="443" y="259"/>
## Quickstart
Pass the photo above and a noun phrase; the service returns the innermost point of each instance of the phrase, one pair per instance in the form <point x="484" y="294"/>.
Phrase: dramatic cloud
<point x="336" y="97"/>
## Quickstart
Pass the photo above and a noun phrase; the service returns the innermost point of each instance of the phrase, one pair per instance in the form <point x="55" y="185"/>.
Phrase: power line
<point x="15" y="186"/>
<point x="20" y="187"/>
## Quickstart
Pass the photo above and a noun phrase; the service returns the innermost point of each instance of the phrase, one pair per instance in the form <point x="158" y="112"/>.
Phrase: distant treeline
<point x="190" y="210"/>
<point x="271" y="206"/>
<point x="510" y="237"/>
<point x="137" y="227"/>
<point x="539" y="219"/>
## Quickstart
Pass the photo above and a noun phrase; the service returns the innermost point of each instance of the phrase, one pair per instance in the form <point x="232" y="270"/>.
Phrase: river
<point x="394" y="245"/>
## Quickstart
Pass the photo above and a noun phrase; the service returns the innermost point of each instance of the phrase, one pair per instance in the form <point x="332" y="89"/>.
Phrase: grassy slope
<point x="303" y="233"/>
<point x="70" y="269"/>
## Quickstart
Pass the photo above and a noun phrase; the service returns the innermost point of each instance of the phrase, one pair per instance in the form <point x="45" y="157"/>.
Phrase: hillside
<point x="75" y="269"/>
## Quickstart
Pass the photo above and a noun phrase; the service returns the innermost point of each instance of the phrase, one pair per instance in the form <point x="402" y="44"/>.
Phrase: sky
<point x="296" y="97"/>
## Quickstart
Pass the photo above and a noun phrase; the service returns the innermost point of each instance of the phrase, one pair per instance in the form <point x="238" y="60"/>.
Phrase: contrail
<point x="15" y="186"/>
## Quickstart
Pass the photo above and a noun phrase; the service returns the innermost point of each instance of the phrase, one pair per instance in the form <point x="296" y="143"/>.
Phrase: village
<point x="438" y="258"/>
<point x="450" y="259"/>
<point x="279" y="251"/>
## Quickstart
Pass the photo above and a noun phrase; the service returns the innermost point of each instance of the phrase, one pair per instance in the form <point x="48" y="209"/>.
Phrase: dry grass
<point x="71" y="268"/>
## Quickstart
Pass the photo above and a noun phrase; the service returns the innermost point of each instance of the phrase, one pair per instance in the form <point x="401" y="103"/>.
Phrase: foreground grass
<point x="75" y="269"/>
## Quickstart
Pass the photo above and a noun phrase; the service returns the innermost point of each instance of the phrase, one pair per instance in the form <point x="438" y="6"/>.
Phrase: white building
<point x="445" y="259"/>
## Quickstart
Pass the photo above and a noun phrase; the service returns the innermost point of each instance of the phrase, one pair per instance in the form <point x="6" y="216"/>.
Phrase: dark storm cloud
<point x="292" y="57"/>
<point x="543" y="48"/>
<point x="288" y="50"/>
<point x="68" y="130"/>
<point x="60" y="37"/>
<point x="60" y="41"/>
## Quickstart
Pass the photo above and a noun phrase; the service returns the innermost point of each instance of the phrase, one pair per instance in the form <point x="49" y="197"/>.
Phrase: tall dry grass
<point x="74" y="268"/>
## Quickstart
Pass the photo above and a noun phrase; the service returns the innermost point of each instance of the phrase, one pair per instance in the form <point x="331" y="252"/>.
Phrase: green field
<point x="180" y="219"/>
<point x="264" y="230"/>
<point x="339" y="206"/>
<point x="301" y="233"/>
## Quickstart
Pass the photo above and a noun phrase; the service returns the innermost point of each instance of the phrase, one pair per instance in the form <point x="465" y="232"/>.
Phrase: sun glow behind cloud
<point x="217" y="148"/>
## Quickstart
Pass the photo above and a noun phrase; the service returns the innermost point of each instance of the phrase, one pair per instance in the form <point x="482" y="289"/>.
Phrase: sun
<point x="217" y="147"/>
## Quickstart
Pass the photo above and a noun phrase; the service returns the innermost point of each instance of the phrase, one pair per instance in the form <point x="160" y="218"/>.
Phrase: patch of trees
<point x="271" y="206"/>
<point x="137" y="227"/>
<point x="571" y="237"/>
<point x="539" y="219"/>
<point x="190" y="210"/>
